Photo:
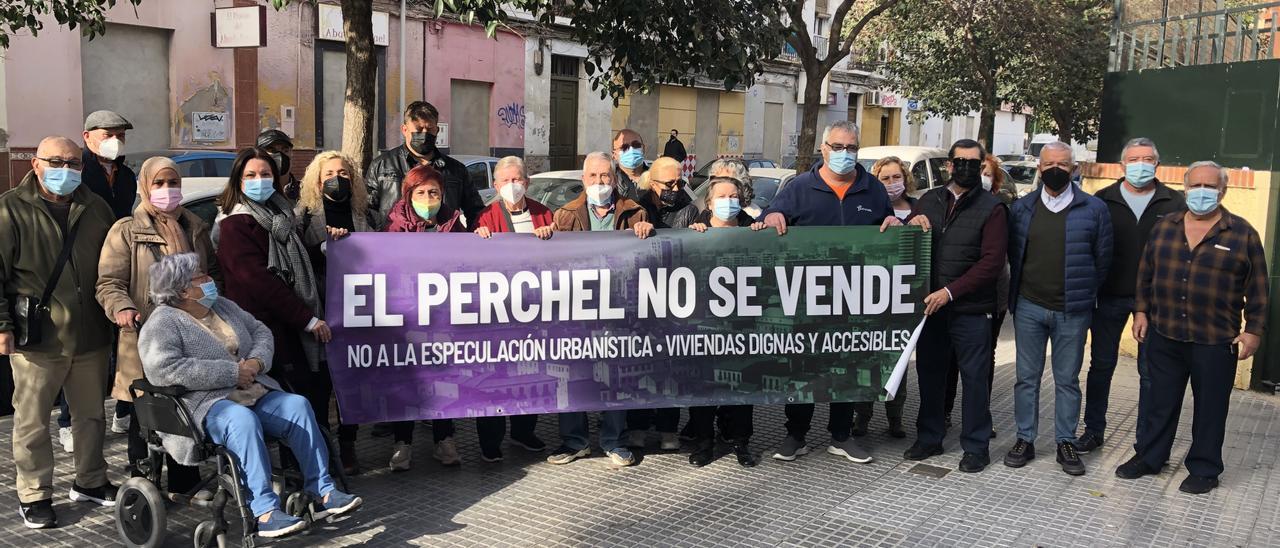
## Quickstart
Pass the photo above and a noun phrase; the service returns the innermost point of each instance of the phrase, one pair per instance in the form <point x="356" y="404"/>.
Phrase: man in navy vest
<point x="970" y="243"/>
<point x="835" y="192"/>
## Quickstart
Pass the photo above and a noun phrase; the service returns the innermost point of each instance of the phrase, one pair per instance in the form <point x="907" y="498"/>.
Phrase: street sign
<point x="244" y="27"/>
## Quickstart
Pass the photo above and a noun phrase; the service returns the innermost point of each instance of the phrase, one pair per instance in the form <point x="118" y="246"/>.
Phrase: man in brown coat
<point x="73" y="336"/>
<point x="599" y="208"/>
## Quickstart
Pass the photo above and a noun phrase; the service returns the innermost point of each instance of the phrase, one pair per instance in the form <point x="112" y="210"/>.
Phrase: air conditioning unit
<point x="872" y="99"/>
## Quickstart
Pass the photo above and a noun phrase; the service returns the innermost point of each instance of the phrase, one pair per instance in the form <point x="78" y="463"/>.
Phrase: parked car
<point x="191" y="163"/>
<point x="480" y="172"/>
<point x="1015" y="158"/>
<point x="553" y="189"/>
<point x="700" y="176"/>
<point x="927" y="164"/>
<point x="1024" y="172"/>
<point x="200" y="196"/>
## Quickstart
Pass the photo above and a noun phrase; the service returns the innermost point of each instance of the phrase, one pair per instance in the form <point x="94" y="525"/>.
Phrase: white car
<point x="927" y="164"/>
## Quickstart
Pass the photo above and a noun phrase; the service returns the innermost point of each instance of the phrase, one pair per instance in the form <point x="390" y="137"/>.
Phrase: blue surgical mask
<point x="259" y="190"/>
<point x="842" y="162"/>
<point x="632" y="158"/>
<point x="210" y="290"/>
<point x="1139" y="174"/>
<point x="725" y="209"/>
<point x="1202" y="201"/>
<point x="61" y="180"/>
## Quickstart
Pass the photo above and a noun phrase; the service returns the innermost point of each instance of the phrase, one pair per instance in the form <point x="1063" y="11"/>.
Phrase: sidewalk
<point x="818" y="500"/>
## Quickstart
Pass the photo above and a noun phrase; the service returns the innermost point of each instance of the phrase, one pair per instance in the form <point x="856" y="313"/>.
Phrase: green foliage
<point x="24" y="16"/>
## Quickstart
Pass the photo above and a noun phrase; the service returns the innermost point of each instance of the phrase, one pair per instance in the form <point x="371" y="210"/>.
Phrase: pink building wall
<point x="463" y="52"/>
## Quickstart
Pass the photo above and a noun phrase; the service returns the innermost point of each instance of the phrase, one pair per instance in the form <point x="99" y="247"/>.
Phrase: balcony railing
<point x="1246" y="33"/>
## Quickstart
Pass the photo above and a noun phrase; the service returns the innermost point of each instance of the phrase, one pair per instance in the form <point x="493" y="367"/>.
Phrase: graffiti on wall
<point x="512" y="115"/>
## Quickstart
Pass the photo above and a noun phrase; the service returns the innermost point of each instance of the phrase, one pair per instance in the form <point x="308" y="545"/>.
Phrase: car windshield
<point x="554" y="193"/>
<point x="866" y="163"/>
<point x="1022" y="174"/>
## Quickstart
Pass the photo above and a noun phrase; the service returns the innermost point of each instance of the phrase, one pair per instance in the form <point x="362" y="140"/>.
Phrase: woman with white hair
<point x="221" y="354"/>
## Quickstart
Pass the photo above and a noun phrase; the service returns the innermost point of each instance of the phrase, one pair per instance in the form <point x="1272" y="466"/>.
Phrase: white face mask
<point x="110" y="148"/>
<point x="599" y="195"/>
<point x="986" y="183"/>
<point x="512" y="192"/>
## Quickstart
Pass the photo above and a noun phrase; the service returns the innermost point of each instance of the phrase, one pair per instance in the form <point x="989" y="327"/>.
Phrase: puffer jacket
<point x="30" y="241"/>
<point x="177" y="350"/>
<point x="1089" y="248"/>
<point x="132" y="246"/>
<point x="387" y="171"/>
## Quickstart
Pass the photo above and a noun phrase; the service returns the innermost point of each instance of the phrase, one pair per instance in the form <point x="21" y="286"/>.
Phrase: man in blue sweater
<point x="836" y="192"/>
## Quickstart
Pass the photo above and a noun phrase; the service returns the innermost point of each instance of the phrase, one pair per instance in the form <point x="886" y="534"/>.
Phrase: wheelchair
<point x="141" y="512"/>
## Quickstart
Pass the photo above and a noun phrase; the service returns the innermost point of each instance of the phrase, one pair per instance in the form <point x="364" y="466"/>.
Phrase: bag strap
<point x="63" y="257"/>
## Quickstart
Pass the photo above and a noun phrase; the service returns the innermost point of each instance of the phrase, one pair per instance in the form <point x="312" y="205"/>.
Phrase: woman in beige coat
<point x="159" y="226"/>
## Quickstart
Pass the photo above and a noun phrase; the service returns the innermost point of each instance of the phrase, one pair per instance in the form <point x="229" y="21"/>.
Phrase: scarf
<point x="287" y="258"/>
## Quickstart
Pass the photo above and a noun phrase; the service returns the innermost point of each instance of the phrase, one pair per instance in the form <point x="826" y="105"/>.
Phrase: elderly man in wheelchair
<point x="209" y="355"/>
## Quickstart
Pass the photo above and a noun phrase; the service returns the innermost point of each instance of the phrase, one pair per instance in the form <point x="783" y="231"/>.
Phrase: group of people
<point x="234" y="311"/>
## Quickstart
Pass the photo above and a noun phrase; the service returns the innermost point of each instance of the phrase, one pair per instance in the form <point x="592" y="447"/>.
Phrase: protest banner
<point x="451" y="325"/>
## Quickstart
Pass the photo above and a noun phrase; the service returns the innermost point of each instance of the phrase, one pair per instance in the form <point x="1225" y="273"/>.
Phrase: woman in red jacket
<point x="267" y="272"/>
<point x="511" y="212"/>
<point x="421" y="208"/>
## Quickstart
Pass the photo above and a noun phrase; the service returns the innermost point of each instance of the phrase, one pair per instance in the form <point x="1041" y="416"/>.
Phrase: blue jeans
<point x="1107" y="328"/>
<point x="281" y="415"/>
<point x="1034" y="326"/>
<point x="575" y="430"/>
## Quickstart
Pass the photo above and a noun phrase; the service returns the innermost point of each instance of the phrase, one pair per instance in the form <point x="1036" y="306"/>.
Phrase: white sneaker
<point x="401" y="457"/>
<point x="670" y="441"/>
<point x="64" y="437"/>
<point x="120" y="425"/>
<point x="446" y="452"/>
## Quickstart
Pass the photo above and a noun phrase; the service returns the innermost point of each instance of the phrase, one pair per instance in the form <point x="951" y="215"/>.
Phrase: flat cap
<point x="105" y="119"/>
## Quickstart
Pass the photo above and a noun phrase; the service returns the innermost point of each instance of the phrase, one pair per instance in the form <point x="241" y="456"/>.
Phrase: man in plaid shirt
<point x="1201" y="271"/>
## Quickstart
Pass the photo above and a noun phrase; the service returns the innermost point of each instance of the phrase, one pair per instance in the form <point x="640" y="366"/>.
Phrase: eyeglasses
<point x="628" y="146"/>
<point x="668" y="184"/>
<point x="56" y="163"/>
<point x="842" y="148"/>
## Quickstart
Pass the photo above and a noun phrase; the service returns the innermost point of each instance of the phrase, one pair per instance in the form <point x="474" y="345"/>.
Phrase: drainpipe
<point x="403" y="72"/>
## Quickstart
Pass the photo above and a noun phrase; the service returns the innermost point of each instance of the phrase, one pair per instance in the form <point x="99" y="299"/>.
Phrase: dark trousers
<point x="491" y="430"/>
<point x="1212" y="372"/>
<point x="736" y="423"/>
<point x="839" y="421"/>
<point x="892" y="408"/>
<point x="1107" y="329"/>
<point x="968" y="337"/>
<point x="402" y="431"/>
<point x="181" y="478"/>
<point x="665" y="420"/>
<point x="953" y="374"/>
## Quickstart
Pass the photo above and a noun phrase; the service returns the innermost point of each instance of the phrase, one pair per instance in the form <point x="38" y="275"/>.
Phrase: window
<point x="221" y="167"/>
<point x="921" y="172"/>
<point x="938" y="167"/>
<point x="479" y="175"/>
<point x="192" y="168"/>
<point x="205" y="208"/>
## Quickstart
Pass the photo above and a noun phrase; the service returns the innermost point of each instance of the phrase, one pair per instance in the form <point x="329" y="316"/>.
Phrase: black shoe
<point x="1021" y="453"/>
<point x="530" y="443"/>
<point x="1088" y="442"/>
<point x="1069" y="458"/>
<point x="703" y="455"/>
<point x="791" y="448"/>
<point x="895" y="428"/>
<point x="745" y="457"/>
<point x="1198" y="485"/>
<point x="686" y="433"/>
<point x="490" y="454"/>
<point x="973" y="463"/>
<point x="993" y="433"/>
<point x="104" y="495"/>
<point x="860" y="426"/>
<point x="920" y="451"/>
<point x="1134" y="469"/>
<point x="38" y="514"/>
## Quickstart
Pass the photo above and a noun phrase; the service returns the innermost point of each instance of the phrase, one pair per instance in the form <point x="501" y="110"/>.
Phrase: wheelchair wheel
<point x="296" y="505"/>
<point x="204" y="536"/>
<point x="140" y="514"/>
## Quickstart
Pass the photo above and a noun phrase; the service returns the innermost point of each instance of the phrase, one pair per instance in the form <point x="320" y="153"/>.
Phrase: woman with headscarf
<point x="160" y="226"/>
<point x="421" y="208"/>
<point x="332" y="203"/>
<point x="269" y="274"/>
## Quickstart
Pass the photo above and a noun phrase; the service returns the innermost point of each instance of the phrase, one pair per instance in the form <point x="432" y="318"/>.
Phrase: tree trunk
<point x="1064" y="123"/>
<point x="358" y="108"/>
<point x="809" y="119"/>
<point x="987" y="122"/>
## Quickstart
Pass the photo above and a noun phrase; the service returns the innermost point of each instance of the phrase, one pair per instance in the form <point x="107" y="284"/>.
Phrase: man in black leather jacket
<point x="383" y="177"/>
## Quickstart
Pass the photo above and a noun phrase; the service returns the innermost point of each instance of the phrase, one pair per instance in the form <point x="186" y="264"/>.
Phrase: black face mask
<point x="1056" y="178"/>
<point x="282" y="161"/>
<point x="674" y="199"/>
<point x="423" y="143"/>
<point x="966" y="173"/>
<point x="337" y="189"/>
